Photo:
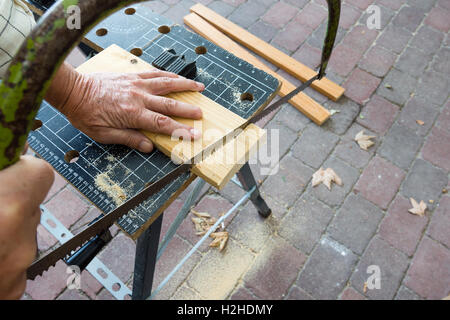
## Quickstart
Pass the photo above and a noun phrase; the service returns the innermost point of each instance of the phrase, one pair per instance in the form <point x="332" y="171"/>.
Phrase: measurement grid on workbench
<point x="123" y="171"/>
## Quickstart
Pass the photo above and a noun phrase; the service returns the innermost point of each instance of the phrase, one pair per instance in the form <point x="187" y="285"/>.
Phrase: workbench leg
<point x="145" y="260"/>
<point x="248" y="181"/>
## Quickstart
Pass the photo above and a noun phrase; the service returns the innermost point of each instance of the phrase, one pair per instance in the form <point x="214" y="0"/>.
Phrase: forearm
<point x="64" y="92"/>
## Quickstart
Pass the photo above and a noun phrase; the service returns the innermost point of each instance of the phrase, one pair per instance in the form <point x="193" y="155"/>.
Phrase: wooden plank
<point x="269" y="52"/>
<point x="217" y="122"/>
<point x="302" y="102"/>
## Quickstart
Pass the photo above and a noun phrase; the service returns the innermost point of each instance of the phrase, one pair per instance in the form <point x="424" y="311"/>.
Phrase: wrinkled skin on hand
<point x="112" y="108"/>
<point x="23" y="187"/>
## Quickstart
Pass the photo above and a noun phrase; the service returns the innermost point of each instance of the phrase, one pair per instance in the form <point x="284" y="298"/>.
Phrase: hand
<point x="112" y="108"/>
<point x="23" y="187"/>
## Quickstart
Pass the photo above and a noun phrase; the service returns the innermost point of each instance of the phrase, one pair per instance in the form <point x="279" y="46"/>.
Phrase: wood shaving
<point x="220" y="240"/>
<point x="203" y="223"/>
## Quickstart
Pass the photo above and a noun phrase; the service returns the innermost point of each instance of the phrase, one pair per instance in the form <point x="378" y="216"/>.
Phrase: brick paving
<point x="318" y="243"/>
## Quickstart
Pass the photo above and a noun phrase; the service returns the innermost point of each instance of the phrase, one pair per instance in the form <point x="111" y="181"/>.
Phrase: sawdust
<point x="104" y="182"/>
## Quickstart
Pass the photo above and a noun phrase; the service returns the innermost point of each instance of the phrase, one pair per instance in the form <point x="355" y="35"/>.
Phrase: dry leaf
<point x="326" y="177"/>
<point x="365" y="287"/>
<point x="420" y="122"/>
<point x="418" y="208"/>
<point x="364" y="141"/>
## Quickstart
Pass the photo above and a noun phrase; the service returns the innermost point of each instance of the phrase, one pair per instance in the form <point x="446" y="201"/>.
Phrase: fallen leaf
<point x="444" y="191"/>
<point x="420" y="122"/>
<point x="365" y="287"/>
<point x="364" y="141"/>
<point x="326" y="177"/>
<point x="334" y="111"/>
<point x="418" y="208"/>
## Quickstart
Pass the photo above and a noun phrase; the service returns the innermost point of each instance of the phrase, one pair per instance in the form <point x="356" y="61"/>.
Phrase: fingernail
<point x="201" y="86"/>
<point x="145" y="147"/>
<point x="195" y="133"/>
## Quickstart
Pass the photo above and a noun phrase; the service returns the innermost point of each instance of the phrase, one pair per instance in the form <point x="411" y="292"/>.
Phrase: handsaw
<point x="105" y="222"/>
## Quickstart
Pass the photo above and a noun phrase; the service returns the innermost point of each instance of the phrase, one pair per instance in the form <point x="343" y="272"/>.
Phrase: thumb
<point x="128" y="137"/>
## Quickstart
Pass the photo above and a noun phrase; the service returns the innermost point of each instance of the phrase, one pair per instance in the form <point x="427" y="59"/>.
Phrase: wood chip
<point x="420" y="122"/>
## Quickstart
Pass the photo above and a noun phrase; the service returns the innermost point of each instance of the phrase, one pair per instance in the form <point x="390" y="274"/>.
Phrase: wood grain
<point x="302" y="102"/>
<point x="269" y="52"/>
<point x="218" y="168"/>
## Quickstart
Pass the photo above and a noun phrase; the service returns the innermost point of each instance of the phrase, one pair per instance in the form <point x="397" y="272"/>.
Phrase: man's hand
<point x="112" y="108"/>
<point x="23" y="187"/>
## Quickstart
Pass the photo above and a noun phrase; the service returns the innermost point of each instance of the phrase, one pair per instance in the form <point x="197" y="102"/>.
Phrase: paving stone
<point x="89" y="285"/>
<point x="185" y="293"/>
<point x="217" y="273"/>
<point x="377" y="61"/>
<point x="392" y="264"/>
<point x="45" y="239"/>
<point x="50" y="284"/>
<point x="433" y="86"/>
<point x="441" y="62"/>
<point x="242" y="293"/>
<point x="67" y="207"/>
<point x="344" y="59"/>
<point x="397" y="86"/>
<point x="443" y="121"/>
<point x="175" y="251"/>
<point x="393" y="4"/>
<point x="413" y="61"/>
<point x="298" y="3"/>
<point x="429" y="274"/>
<point x="90" y="215"/>
<point x="406" y="294"/>
<point x="279" y="138"/>
<point x="360" y="85"/>
<point x="424" y="182"/>
<point x="349" y="150"/>
<point x="292" y="36"/>
<point x="308" y="55"/>
<point x="341" y="120"/>
<point x="305" y="223"/>
<point x="279" y="14"/>
<point x="444" y="4"/>
<point x="222" y="8"/>
<point x="72" y="295"/>
<point x="235" y="3"/>
<point x="351" y="294"/>
<point x="394" y="38"/>
<point x="297" y="293"/>
<point x="380" y="181"/>
<point x="401" y="229"/>
<point x="440" y="222"/>
<point x="123" y="247"/>
<point x="58" y="184"/>
<point x="418" y="109"/>
<point x="400" y="146"/>
<point x="249" y="228"/>
<point x="263" y="31"/>
<point x="361" y="4"/>
<point x="158" y="7"/>
<point x="214" y="205"/>
<point x="355" y="223"/>
<point x="426" y="5"/>
<point x="409" y="17"/>
<point x="349" y="15"/>
<point x="292" y="118"/>
<point x="318" y="277"/>
<point x="317" y="37"/>
<point x="105" y="295"/>
<point x="314" y="145"/>
<point x="277" y="257"/>
<point x="438" y="19"/>
<point x="276" y="185"/>
<point x="427" y="39"/>
<point x="177" y="12"/>
<point x="312" y="15"/>
<point x="247" y="13"/>
<point x="378" y="115"/>
<point x="360" y="38"/>
<point x="336" y="196"/>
